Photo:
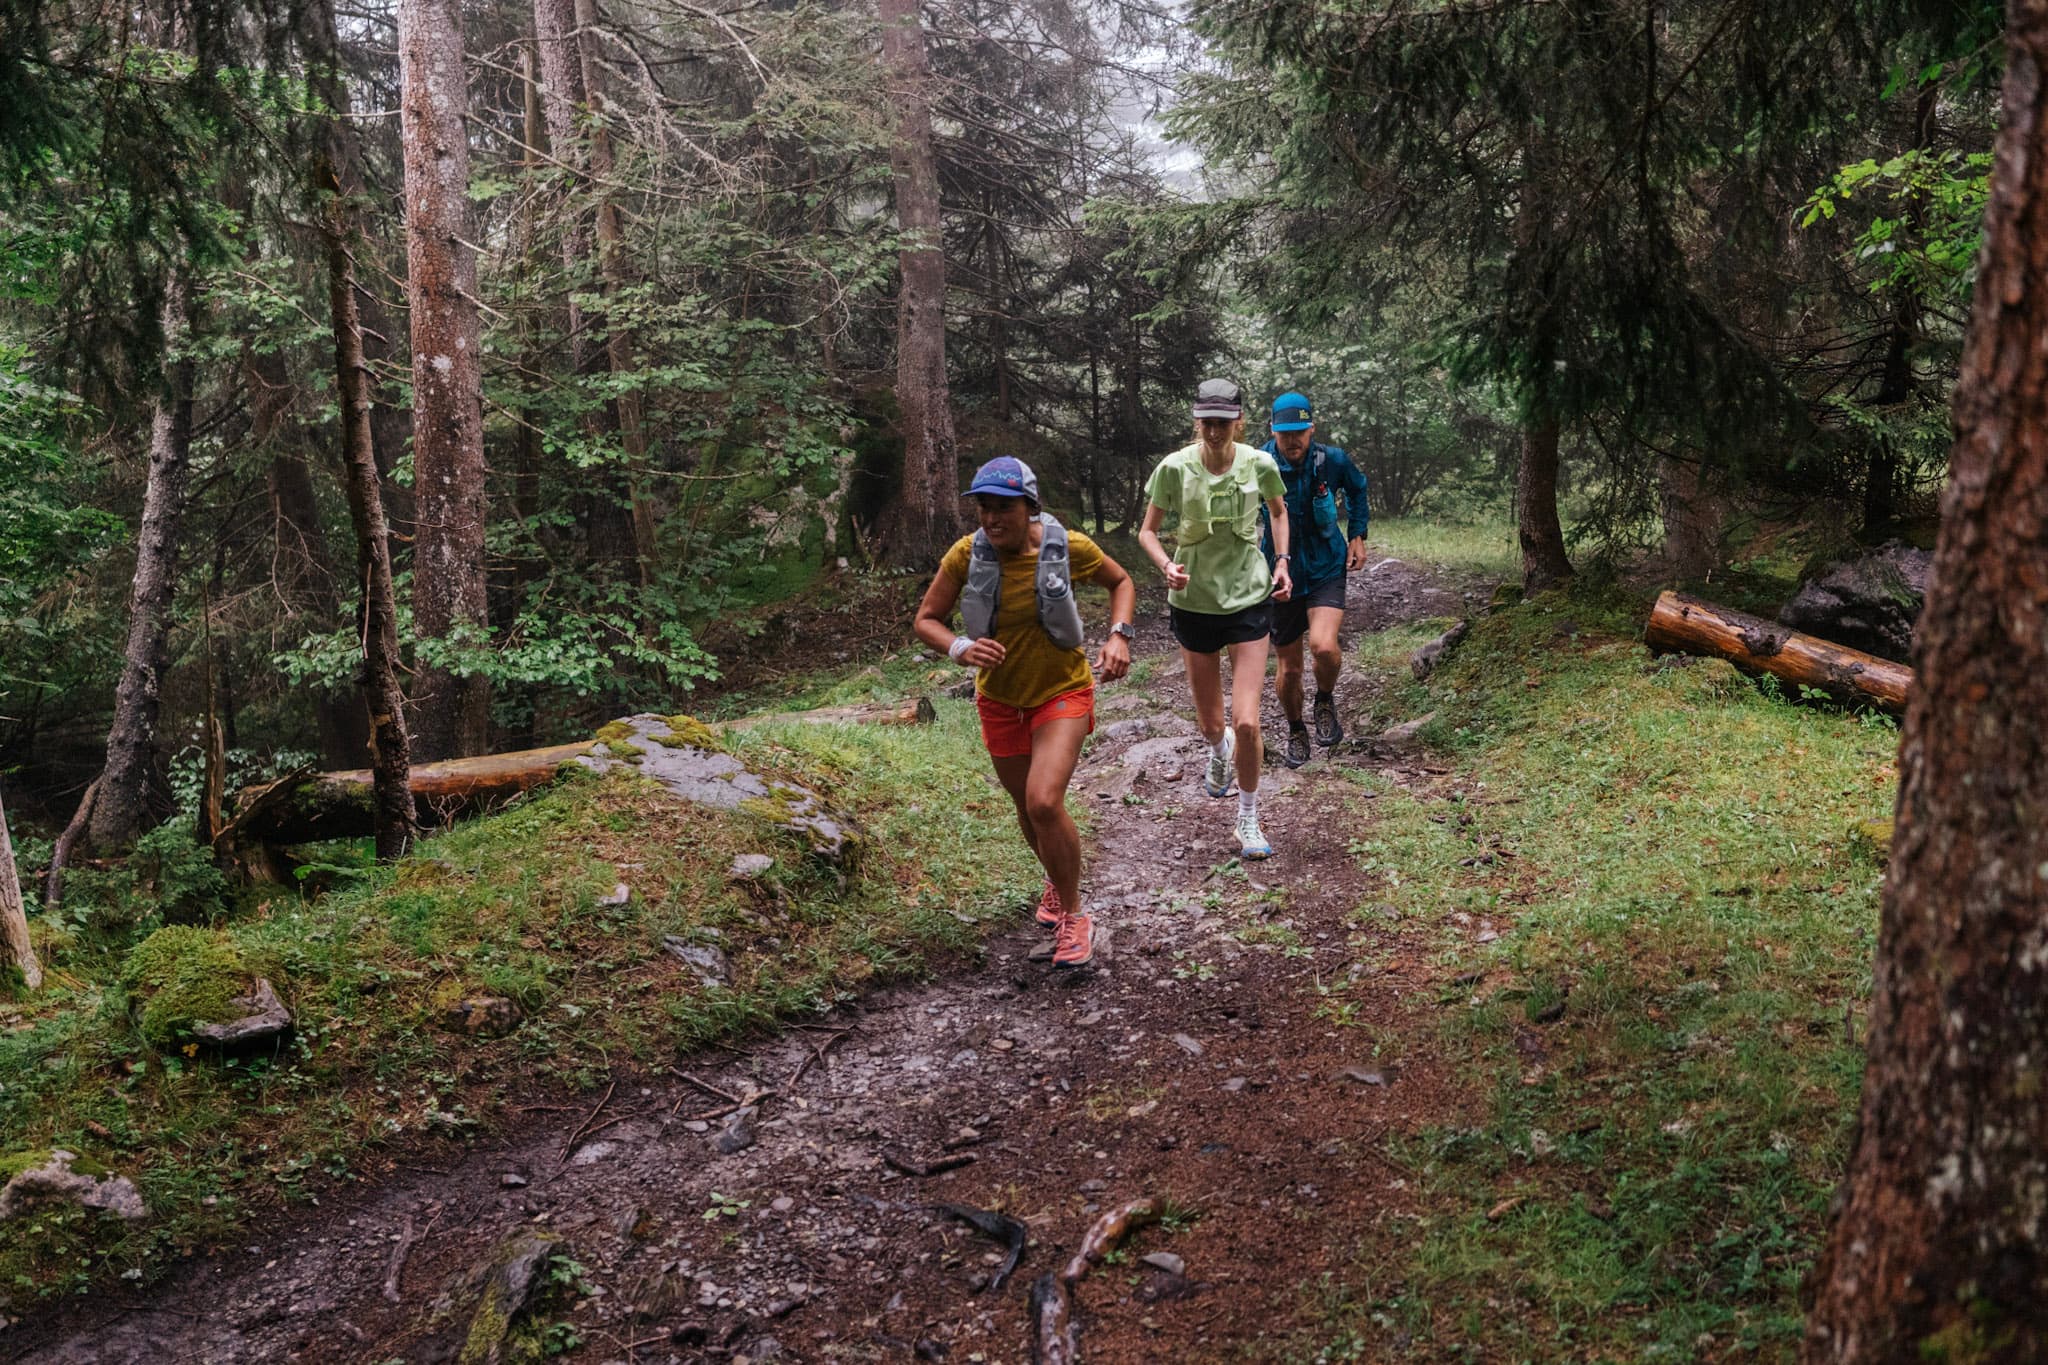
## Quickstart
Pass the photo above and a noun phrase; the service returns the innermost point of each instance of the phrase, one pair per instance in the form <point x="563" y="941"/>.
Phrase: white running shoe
<point x="1251" y="842"/>
<point x="1222" y="774"/>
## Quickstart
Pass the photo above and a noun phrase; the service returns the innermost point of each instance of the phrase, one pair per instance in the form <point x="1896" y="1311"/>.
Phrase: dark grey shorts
<point x="1290" y="618"/>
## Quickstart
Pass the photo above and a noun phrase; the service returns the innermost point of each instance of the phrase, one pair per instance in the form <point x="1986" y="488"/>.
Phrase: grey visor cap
<point x="1218" y="398"/>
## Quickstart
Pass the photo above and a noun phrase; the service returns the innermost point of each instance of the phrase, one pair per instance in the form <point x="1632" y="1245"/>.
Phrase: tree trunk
<point x="1686" y="625"/>
<point x="451" y="705"/>
<point x="580" y="142"/>
<point x="1544" y="564"/>
<point x="15" y="949"/>
<point x="394" y="822"/>
<point x="926" y="514"/>
<point x="124" y="788"/>
<point x="1936" y="1248"/>
<point x="1694" y="513"/>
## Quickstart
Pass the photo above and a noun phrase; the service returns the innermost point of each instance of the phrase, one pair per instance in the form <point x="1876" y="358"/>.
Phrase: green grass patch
<point x="1670" y="856"/>
<point x="1482" y="545"/>
<point x="512" y="906"/>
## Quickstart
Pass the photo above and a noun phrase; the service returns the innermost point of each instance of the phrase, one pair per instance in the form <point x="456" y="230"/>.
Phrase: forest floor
<point x="1494" y="1059"/>
<point x="1188" y="1064"/>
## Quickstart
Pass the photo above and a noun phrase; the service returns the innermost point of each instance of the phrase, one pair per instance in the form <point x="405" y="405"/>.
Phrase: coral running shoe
<point x="1222" y="775"/>
<point x="1049" y="911"/>
<point x="1076" y="944"/>
<point x="1251" y="843"/>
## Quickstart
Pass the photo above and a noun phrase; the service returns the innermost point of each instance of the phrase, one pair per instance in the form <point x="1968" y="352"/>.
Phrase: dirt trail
<point x="1188" y="1064"/>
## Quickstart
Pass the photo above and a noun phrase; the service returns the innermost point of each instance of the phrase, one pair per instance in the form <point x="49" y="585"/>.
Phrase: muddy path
<point x="1196" y="1062"/>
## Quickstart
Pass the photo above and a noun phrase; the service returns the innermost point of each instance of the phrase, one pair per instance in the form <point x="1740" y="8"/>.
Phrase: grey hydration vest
<point x="1058" y="613"/>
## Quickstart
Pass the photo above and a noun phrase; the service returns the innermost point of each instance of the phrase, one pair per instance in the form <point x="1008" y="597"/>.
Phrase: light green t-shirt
<point x="1225" y="572"/>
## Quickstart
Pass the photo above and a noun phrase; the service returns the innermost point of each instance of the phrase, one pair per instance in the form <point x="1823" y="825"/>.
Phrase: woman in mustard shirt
<point x="1013" y="580"/>
<point x="1219" y="587"/>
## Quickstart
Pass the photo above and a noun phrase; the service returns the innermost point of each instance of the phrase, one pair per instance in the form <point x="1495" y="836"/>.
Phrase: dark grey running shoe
<point x="1328" y="731"/>
<point x="1297" y="748"/>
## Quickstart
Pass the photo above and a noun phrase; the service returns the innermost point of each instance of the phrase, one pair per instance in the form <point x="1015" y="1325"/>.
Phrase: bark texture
<point x="926" y="516"/>
<point x="15" y="949"/>
<point x="334" y="805"/>
<point x="451" y="708"/>
<point x="1686" y="625"/>
<point x="1544" y="564"/>
<point x="1937" y="1249"/>
<point x="390" y="743"/>
<point x="1695" y="512"/>
<point x="1541" y="534"/>
<point x="124" y="784"/>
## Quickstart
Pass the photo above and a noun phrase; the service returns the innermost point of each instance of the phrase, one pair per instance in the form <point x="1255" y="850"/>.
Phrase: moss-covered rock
<point x="37" y="1179"/>
<point x="688" y="730"/>
<point x="184" y="976"/>
<point x="1872" y="838"/>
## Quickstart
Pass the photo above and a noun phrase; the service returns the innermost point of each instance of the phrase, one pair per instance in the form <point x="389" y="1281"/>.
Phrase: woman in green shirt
<point x="1219" y="588"/>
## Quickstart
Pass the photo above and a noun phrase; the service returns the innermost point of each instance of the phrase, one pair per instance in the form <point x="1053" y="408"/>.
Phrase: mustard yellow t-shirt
<point x="1034" y="670"/>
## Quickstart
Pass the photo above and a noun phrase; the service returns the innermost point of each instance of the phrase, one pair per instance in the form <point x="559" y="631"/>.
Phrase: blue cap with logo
<point x="1005" y="477"/>
<point x="1292" y="412"/>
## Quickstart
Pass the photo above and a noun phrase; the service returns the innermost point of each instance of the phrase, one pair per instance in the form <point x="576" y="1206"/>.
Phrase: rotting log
<point x="917" y="711"/>
<point x="304" y="806"/>
<point x="1687" y="625"/>
<point x="342" y="805"/>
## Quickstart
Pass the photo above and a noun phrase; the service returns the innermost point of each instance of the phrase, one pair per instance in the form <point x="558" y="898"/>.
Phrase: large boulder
<point x="1869" y="602"/>
<point x="683" y="755"/>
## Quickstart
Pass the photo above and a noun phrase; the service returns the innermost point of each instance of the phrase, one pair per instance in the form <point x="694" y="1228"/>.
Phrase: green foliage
<point x="1928" y="244"/>
<point x="44" y="531"/>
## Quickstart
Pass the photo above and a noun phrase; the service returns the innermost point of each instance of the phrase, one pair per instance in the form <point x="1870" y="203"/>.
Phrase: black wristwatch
<point x="1125" y="629"/>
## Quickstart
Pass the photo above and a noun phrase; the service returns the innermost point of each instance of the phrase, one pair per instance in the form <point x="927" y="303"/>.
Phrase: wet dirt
<point x="1192" y="1063"/>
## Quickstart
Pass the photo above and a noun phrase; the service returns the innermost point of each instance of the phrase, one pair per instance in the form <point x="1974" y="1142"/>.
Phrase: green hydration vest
<point x="1195" y="523"/>
<point x="1058" y="612"/>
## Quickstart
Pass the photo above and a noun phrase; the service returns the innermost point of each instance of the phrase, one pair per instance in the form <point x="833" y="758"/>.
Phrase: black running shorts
<point x="1199" y="632"/>
<point x="1290" y="618"/>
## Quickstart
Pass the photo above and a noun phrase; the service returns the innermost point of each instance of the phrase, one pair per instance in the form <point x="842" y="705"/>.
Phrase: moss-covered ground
<point x="513" y="906"/>
<point x="1667" y="1031"/>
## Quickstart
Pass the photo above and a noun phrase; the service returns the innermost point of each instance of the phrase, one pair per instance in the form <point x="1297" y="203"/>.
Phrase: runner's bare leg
<point x="1322" y="643"/>
<point x="1247" y="680"/>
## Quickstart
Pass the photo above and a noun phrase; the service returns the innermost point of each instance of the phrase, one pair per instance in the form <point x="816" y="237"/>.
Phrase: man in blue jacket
<point x="1323" y="552"/>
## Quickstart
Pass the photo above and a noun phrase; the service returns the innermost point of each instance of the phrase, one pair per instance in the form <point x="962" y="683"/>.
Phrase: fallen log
<point x="1686" y="625"/>
<point x="305" y="806"/>
<point x="302" y="808"/>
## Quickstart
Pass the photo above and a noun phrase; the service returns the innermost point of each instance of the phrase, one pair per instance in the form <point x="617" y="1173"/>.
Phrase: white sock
<point x="1247" y="803"/>
<point x="1216" y="744"/>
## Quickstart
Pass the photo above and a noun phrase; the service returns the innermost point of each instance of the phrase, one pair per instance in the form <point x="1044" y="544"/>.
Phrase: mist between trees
<point x="597" y="322"/>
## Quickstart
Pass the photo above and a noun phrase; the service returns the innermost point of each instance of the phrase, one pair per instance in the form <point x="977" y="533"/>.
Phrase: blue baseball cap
<point x="1006" y="477"/>
<point x="1291" y="412"/>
